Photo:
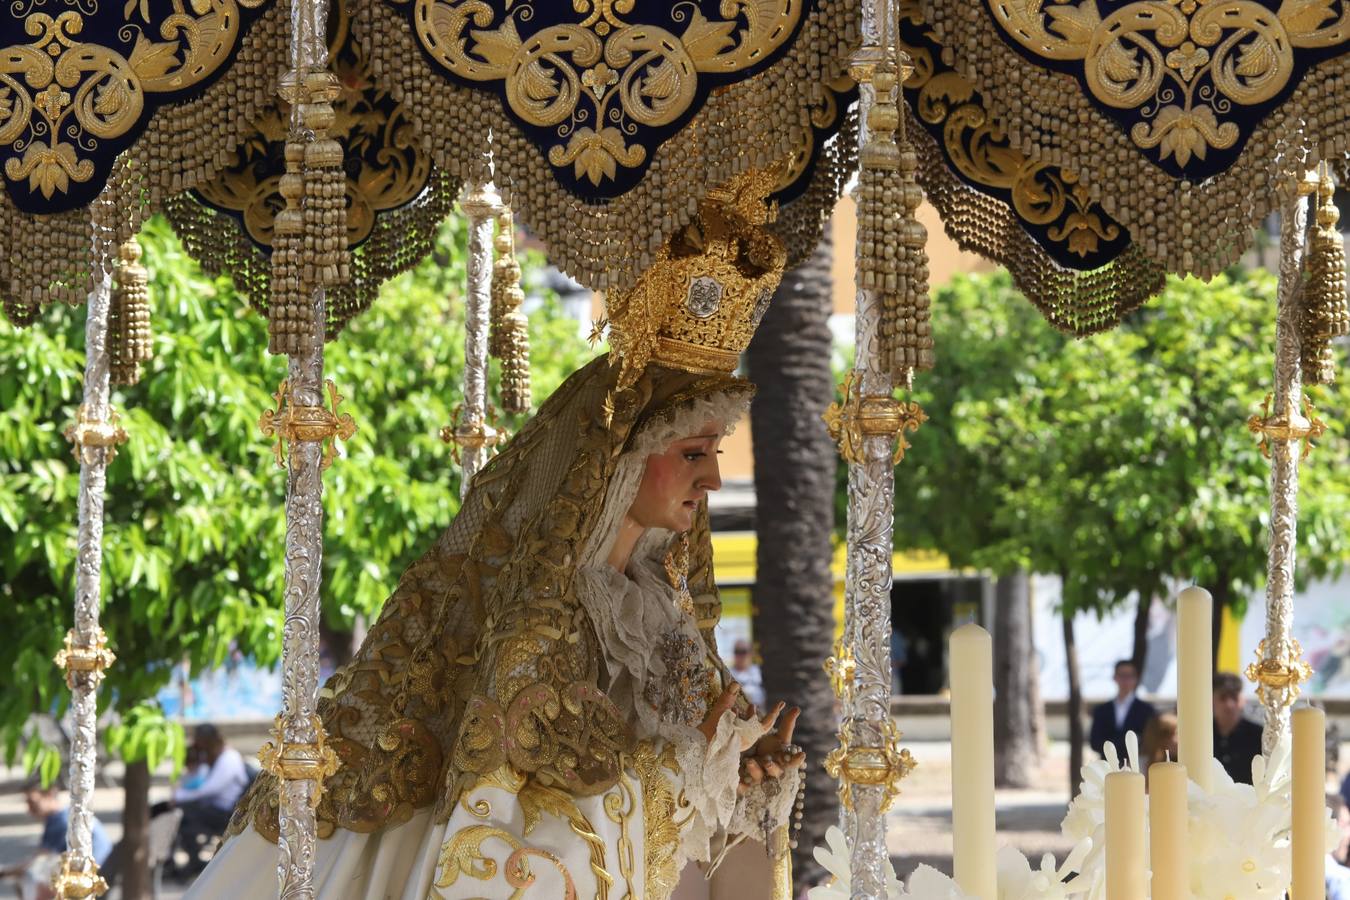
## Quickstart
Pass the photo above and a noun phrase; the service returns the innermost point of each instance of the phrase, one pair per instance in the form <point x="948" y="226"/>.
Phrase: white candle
<point x="1195" y="683"/>
<point x="1308" y="839"/>
<point x="1167" y="831"/>
<point x="971" y="663"/>
<point x="1125" y="836"/>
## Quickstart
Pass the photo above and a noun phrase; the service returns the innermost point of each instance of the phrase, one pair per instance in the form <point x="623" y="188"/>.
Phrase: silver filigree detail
<point x="704" y="297"/>
<point x="481" y="206"/>
<point x="88" y="577"/>
<point x="761" y="306"/>
<point x="1284" y="457"/>
<point x="867" y="592"/>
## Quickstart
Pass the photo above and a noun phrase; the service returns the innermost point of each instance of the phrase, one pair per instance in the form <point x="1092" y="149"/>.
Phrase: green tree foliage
<point x="194" y="521"/>
<point x="1119" y="460"/>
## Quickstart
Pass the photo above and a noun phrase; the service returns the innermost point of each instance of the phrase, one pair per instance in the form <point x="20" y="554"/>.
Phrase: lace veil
<point x="483" y="654"/>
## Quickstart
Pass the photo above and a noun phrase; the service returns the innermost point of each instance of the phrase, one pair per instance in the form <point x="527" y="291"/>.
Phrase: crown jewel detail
<point x="697" y="306"/>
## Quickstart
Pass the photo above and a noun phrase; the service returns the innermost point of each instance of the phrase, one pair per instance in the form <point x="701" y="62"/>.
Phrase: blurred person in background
<point x="33" y="876"/>
<point x="747" y="673"/>
<point x="1237" y="739"/>
<point x="1112" y="720"/>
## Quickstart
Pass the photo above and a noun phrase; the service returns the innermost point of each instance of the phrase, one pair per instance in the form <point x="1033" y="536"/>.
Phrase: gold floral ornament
<point x="93" y="659"/>
<point x="1278" y="678"/>
<point x="696" y="308"/>
<point x="463" y="435"/>
<point x="1305" y="427"/>
<point x="839" y="668"/>
<point x="1182" y="75"/>
<point x="89" y="435"/>
<point x="289" y="423"/>
<point x="79" y="87"/>
<point x="856" y="416"/>
<point x="884" y="766"/>
<point x="296" y="761"/>
<point x="78" y="878"/>
<point x="595" y="89"/>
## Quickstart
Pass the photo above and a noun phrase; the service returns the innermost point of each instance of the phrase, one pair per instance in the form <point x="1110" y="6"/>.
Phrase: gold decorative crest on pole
<point x="462" y="435"/>
<point x="884" y="766"/>
<point x="1279" y="677"/>
<point x="95" y="659"/>
<point x="290" y="761"/>
<point x="89" y="432"/>
<point x="289" y="423"/>
<point x="857" y="416"/>
<point x="75" y="882"/>
<point x="1306" y="427"/>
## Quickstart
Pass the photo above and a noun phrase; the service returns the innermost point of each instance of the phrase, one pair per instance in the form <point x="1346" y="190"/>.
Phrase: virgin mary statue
<point x="540" y="709"/>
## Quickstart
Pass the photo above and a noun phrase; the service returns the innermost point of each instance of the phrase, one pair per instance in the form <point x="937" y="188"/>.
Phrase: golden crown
<point x="697" y="306"/>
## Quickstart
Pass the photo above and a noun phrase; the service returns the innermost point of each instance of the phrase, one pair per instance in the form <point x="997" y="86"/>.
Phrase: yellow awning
<point x="734" y="565"/>
<point x="734" y="559"/>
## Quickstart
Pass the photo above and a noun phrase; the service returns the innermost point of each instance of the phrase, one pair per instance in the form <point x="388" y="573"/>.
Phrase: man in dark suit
<point x="1126" y="713"/>
<point x="1237" y="739"/>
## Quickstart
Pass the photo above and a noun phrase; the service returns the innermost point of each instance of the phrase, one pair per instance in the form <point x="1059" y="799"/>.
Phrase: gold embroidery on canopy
<point x="60" y="94"/>
<point x="601" y="71"/>
<point x="1192" y="64"/>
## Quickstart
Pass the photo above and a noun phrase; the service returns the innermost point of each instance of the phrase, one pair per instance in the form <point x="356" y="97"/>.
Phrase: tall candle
<point x="1125" y="836"/>
<point x="972" y="682"/>
<point x="1167" y="831"/>
<point x="1195" y="683"/>
<point x="1308" y="839"/>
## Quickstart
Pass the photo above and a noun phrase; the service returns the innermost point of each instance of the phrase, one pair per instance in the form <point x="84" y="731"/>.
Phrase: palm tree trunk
<point x="1014" y="726"/>
<point x="1139" y="653"/>
<point x="136" y="832"/>
<point x="1075" y="709"/>
<point x="795" y="465"/>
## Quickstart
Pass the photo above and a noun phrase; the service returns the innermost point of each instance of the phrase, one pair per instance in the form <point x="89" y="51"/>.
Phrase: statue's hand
<point x="720" y="706"/>
<point x="774" y="754"/>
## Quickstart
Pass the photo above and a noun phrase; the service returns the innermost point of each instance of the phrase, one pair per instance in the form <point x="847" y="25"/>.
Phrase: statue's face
<point x="676" y="481"/>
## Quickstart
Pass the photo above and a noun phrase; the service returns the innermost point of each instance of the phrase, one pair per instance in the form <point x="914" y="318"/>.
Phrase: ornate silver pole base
<point x="472" y="433"/>
<point x="1279" y="668"/>
<point x="85" y="657"/>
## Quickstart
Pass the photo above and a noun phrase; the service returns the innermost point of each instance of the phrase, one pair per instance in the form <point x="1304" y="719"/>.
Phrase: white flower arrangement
<point x="1017" y="880"/>
<point x="1238" y="834"/>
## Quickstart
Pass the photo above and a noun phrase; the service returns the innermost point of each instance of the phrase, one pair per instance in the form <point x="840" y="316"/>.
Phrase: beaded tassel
<point x="509" y="329"/>
<point x="891" y="259"/>
<point x="287" y="312"/>
<point x="1325" y="313"/>
<point x="129" y="316"/>
<point x="326" y="262"/>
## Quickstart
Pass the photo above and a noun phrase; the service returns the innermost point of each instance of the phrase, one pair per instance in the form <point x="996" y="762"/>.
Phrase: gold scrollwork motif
<point x="93" y="658"/>
<point x="290" y="761"/>
<point x="1188" y="66"/>
<point x="89" y="434"/>
<point x="1278" y="678"/>
<point x="884" y="766"/>
<point x="1306" y="427"/>
<point x="289" y="423"/>
<point x="977" y="145"/>
<point x="857" y="416"/>
<point x="60" y="95"/>
<point x="463" y="855"/>
<point x="368" y="122"/>
<point x="597" y="81"/>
